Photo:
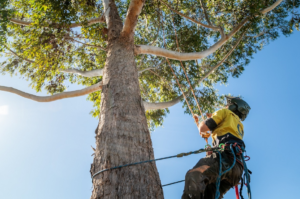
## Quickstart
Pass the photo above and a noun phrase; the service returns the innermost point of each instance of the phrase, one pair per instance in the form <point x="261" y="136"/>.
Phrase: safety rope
<point x="181" y="89"/>
<point x="183" y="93"/>
<point x="173" y="183"/>
<point x="191" y="87"/>
<point x="174" y="156"/>
<point x="185" y="71"/>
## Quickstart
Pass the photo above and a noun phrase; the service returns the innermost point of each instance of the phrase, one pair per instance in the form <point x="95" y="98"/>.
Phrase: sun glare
<point x="4" y="110"/>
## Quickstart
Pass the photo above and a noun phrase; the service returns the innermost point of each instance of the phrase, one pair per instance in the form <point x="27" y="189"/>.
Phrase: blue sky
<point x="45" y="148"/>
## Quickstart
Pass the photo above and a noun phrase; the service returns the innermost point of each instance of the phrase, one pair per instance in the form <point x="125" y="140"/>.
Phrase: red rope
<point x="237" y="192"/>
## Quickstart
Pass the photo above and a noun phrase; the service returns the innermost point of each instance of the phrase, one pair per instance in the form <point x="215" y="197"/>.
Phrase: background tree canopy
<point x="42" y="39"/>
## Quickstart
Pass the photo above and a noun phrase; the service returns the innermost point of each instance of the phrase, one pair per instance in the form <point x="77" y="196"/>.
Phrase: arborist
<point x="227" y="128"/>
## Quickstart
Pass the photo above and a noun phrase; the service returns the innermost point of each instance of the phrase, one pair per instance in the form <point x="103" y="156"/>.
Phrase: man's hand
<point x="204" y="134"/>
<point x="196" y="117"/>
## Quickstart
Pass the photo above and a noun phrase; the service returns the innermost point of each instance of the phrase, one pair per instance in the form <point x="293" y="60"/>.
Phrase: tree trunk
<point x="123" y="136"/>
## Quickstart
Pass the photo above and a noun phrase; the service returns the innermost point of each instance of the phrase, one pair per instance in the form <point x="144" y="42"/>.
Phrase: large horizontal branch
<point x="162" y="105"/>
<point x="191" y="19"/>
<point x="55" y="97"/>
<point x="134" y="10"/>
<point x="143" y="49"/>
<point x="91" y="73"/>
<point x="72" y="25"/>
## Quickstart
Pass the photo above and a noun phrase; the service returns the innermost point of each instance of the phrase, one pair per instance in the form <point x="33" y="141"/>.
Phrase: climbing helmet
<point x="236" y="104"/>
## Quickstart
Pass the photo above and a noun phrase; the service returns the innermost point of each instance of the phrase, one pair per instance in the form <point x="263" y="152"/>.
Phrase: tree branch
<point x="107" y="10"/>
<point x="13" y="52"/>
<point x="161" y="105"/>
<point x="143" y="49"/>
<point x="91" y="73"/>
<point x="143" y="70"/>
<point x="100" y="47"/>
<point x="268" y="9"/>
<point x="134" y="10"/>
<point x="55" y="97"/>
<point x="205" y="13"/>
<point x="258" y="35"/>
<point x="73" y="25"/>
<point x="191" y="19"/>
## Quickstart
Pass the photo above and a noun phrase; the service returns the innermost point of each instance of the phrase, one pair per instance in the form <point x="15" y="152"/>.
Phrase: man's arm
<point x="203" y="127"/>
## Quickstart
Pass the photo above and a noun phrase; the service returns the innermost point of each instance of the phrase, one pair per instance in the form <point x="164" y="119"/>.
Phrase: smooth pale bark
<point x="122" y="136"/>
<point x="134" y="10"/>
<point x="162" y="105"/>
<point x="274" y="5"/>
<point x="55" y="97"/>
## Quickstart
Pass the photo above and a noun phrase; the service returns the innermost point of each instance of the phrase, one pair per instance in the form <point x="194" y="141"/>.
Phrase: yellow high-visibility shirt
<point x="225" y="122"/>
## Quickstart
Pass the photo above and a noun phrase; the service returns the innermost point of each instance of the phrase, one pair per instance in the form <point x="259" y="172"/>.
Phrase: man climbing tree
<point x="226" y="128"/>
<point x="125" y="54"/>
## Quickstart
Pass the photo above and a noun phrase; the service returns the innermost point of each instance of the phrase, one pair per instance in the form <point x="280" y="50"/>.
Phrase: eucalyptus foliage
<point x="40" y="51"/>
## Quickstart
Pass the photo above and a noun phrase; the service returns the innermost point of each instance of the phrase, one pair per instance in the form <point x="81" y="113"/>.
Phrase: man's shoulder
<point x="223" y="110"/>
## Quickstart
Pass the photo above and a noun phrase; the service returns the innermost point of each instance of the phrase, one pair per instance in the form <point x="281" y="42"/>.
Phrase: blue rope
<point x="174" y="156"/>
<point x="247" y="176"/>
<point x="220" y="171"/>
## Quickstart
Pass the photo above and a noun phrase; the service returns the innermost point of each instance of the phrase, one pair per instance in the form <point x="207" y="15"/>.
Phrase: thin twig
<point x="17" y="54"/>
<point x="193" y="20"/>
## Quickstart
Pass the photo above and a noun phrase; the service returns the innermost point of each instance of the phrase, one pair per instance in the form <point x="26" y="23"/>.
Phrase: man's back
<point x="226" y="127"/>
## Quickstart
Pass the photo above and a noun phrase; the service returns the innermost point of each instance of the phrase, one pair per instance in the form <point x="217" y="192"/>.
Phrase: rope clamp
<point x="222" y="147"/>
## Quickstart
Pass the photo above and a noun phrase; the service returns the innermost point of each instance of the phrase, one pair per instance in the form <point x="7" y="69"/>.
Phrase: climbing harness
<point x="174" y="156"/>
<point x="239" y="151"/>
